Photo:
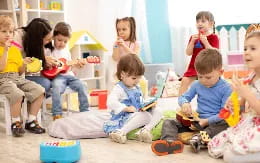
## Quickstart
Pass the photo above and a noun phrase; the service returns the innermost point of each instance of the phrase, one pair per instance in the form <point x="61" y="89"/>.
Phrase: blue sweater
<point x="209" y="100"/>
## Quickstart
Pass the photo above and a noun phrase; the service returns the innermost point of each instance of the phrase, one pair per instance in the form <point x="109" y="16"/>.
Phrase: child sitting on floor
<point x="212" y="93"/>
<point x="14" y="86"/>
<point x="241" y="142"/>
<point x="125" y="102"/>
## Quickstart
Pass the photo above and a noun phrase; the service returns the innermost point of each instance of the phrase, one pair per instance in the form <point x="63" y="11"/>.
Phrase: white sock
<point x="15" y="119"/>
<point x="31" y="118"/>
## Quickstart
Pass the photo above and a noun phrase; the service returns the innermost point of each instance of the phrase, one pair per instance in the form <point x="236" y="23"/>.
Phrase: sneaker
<point x="57" y="117"/>
<point x="199" y="141"/>
<point x="17" y="129"/>
<point x="118" y="136"/>
<point x="145" y="136"/>
<point x="163" y="147"/>
<point x="34" y="127"/>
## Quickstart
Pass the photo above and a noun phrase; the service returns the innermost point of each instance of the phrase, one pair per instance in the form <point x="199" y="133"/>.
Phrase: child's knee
<point x="16" y="95"/>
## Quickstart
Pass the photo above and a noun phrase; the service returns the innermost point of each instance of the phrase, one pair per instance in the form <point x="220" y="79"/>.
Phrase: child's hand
<point x="203" y="39"/>
<point x="203" y="122"/>
<point x="7" y="44"/>
<point x="130" y="109"/>
<point x="194" y="37"/>
<point x="239" y="87"/>
<point x="27" y="60"/>
<point x="81" y="62"/>
<point x="186" y="109"/>
<point x="51" y="61"/>
<point x="120" y="41"/>
<point x="229" y="105"/>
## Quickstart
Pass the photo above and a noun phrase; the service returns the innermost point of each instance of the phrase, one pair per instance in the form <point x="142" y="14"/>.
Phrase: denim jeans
<point x="44" y="82"/>
<point x="59" y="85"/>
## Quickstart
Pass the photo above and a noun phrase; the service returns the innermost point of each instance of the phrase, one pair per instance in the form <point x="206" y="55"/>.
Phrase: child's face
<point x="130" y="80"/>
<point x="60" y="41"/>
<point x="252" y="52"/>
<point x="204" y="25"/>
<point x="6" y="35"/>
<point x="47" y="38"/>
<point x="210" y="79"/>
<point x="123" y="29"/>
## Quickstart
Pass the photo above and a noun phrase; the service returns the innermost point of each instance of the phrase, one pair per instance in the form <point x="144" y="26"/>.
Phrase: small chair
<point x="8" y="121"/>
<point x="67" y="93"/>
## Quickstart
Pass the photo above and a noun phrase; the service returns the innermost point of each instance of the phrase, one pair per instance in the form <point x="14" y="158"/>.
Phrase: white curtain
<point x="179" y="38"/>
<point x="139" y="12"/>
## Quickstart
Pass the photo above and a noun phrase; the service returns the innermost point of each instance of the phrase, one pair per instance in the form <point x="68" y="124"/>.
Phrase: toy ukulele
<point x="60" y="151"/>
<point x="55" y="70"/>
<point x="198" y="43"/>
<point x="64" y="66"/>
<point x="231" y="118"/>
<point x="189" y="121"/>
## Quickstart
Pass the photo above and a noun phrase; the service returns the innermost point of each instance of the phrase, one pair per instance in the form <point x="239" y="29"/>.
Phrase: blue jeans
<point x="44" y="82"/>
<point x="59" y="85"/>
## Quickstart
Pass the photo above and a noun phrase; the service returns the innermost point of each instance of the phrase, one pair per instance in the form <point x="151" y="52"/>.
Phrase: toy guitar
<point x="64" y="66"/>
<point x="55" y="70"/>
<point x="189" y="121"/>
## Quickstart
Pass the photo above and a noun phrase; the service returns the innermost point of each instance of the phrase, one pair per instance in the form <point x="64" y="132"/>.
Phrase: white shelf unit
<point x="14" y="9"/>
<point x="93" y="74"/>
<point x="23" y="11"/>
<point x="41" y="9"/>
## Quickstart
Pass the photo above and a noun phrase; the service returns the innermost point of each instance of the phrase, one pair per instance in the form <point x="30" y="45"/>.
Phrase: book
<point x="149" y="103"/>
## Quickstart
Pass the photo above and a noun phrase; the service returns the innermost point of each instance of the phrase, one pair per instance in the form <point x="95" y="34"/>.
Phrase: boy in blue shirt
<point x="212" y="93"/>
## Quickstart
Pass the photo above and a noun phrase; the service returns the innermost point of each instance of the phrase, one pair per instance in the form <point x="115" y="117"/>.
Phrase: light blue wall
<point x="159" y="31"/>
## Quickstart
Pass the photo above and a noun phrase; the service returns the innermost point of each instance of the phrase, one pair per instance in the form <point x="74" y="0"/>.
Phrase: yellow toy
<point x="231" y="118"/>
<point x="34" y="66"/>
<point x="55" y="5"/>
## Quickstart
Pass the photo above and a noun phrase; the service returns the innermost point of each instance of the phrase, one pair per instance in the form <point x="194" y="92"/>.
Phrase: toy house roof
<point x="86" y="39"/>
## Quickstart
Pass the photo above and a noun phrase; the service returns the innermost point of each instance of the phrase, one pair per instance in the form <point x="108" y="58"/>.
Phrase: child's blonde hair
<point x="6" y="22"/>
<point x="252" y="28"/>
<point x="208" y="16"/>
<point x="131" y="20"/>
<point x="130" y="64"/>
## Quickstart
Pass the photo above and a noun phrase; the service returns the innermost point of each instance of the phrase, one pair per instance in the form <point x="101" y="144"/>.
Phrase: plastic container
<point x="102" y="100"/>
<point x="60" y="151"/>
<point x="98" y="98"/>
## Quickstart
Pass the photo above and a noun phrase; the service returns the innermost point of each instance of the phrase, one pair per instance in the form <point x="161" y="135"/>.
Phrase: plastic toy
<point x="188" y="121"/>
<point x="153" y="90"/>
<point x="231" y="118"/>
<point x="198" y="44"/>
<point x="93" y="59"/>
<point x="149" y="103"/>
<point x="60" y="151"/>
<point x="55" y="5"/>
<point x="34" y="66"/>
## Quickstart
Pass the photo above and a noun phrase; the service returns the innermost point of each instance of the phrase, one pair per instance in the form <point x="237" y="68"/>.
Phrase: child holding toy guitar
<point x="212" y="93"/>
<point x="61" y="36"/>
